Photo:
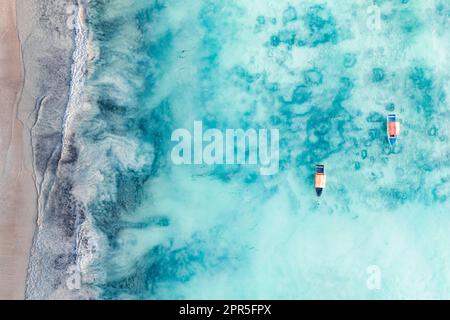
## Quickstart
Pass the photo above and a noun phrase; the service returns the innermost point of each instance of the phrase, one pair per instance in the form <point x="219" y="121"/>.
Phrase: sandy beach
<point x="17" y="188"/>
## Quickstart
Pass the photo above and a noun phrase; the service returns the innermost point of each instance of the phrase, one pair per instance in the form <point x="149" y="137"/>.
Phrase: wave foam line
<point x="86" y="240"/>
<point x="79" y="69"/>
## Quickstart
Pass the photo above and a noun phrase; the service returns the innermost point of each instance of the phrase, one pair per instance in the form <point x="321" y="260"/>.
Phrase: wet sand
<point x="17" y="188"/>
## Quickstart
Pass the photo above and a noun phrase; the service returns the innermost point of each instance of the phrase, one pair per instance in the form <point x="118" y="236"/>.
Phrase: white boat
<point x="320" y="179"/>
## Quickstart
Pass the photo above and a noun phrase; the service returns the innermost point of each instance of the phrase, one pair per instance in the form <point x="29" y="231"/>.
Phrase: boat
<point x="393" y="128"/>
<point x="320" y="179"/>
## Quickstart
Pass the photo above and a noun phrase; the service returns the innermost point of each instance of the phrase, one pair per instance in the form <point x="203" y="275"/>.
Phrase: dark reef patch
<point x="377" y="74"/>
<point x="107" y="215"/>
<point x="160" y="265"/>
<point x="156" y="129"/>
<point x="301" y="94"/>
<point x="421" y="84"/>
<point x="321" y="25"/>
<point x="349" y="60"/>
<point x="326" y="132"/>
<point x="313" y="77"/>
<point x="289" y="15"/>
<point x="108" y="108"/>
<point x="320" y="28"/>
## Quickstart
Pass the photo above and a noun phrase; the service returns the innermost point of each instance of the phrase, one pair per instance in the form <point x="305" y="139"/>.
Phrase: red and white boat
<point x="393" y="128"/>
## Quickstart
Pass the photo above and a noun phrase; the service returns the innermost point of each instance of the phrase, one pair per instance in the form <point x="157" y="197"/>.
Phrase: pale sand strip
<point x="17" y="189"/>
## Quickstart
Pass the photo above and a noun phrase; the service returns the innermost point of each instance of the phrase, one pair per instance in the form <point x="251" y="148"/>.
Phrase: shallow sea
<point x="325" y="74"/>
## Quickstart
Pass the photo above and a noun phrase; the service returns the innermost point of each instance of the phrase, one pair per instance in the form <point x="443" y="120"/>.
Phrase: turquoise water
<point x="325" y="74"/>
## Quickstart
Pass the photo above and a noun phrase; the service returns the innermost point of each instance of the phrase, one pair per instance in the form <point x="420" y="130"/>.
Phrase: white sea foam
<point x="79" y="72"/>
<point x="98" y="161"/>
<point x="87" y="239"/>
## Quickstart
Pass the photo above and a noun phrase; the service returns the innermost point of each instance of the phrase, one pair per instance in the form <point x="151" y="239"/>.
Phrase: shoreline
<point x="18" y="196"/>
<point x="55" y="64"/>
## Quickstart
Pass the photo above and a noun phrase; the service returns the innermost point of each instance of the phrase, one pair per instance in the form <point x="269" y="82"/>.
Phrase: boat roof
<point x="320" y="168"/>
<point x="392" y="117"/>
